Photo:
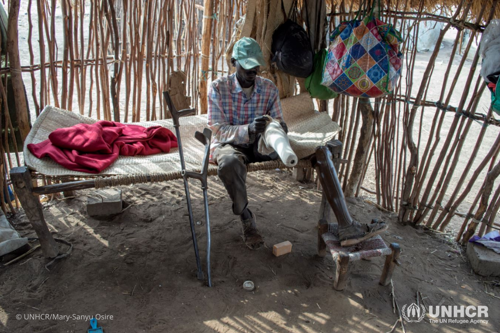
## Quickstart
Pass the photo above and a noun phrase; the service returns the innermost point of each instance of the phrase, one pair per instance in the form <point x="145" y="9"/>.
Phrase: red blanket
<point x="92" y="148"/>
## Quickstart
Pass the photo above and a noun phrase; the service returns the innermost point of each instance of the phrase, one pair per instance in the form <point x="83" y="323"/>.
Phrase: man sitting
<point x="237" y="108"/>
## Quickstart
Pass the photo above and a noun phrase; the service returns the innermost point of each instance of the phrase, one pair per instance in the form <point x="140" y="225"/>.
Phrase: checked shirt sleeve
<point x="222" y="130"/>
<point x="274" y="106"/>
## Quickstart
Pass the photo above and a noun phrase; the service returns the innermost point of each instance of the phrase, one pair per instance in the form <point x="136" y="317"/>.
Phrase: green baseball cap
<point x="248" y="53"/>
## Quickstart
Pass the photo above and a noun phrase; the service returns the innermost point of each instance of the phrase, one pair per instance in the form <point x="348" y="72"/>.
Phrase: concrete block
<point x="282" y="248"/>
<point x="484" y="261"/>
<point x="105" y="203"/>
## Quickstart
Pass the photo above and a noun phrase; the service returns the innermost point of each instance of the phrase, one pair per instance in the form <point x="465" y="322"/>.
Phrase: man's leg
<point x="350" y="231"/>
<point x="232" y="172"/>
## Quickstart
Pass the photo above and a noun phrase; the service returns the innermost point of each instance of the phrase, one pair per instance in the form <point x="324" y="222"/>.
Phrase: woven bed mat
<point x="308" y="129"/>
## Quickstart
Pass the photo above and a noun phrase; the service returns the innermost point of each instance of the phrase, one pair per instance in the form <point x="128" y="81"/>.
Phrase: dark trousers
<point x="232" y="171"/>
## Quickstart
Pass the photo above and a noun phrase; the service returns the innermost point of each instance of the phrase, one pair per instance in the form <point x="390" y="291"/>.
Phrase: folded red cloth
<point x="93" y="148"/>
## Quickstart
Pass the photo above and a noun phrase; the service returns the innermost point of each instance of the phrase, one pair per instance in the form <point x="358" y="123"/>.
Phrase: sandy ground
<point x="139" y="268"/>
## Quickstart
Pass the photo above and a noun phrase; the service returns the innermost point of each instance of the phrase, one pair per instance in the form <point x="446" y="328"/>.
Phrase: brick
<point x="104" y="203"/>
<point x="282" y="248"/>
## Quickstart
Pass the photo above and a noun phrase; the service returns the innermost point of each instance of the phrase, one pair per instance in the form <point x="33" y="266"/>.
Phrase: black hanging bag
<point x="291" y="48"/>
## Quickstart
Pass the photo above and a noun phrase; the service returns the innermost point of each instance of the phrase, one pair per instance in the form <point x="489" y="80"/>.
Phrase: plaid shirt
<point x="230" y="111"/>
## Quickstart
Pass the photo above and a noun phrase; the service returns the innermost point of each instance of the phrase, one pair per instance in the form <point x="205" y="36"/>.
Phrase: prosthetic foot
<point x="350" y="231"/>
<point x="253" y="240"/>
<point x="356" y="232"/>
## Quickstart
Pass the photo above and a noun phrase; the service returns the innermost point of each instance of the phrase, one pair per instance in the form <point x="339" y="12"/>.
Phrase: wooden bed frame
<point x="23" y="181"/>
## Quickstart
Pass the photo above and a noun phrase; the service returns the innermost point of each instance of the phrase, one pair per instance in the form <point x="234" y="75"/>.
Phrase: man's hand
<point x="258" y="125"/>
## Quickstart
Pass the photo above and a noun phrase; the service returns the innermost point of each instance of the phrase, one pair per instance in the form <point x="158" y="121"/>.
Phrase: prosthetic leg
<point x="350" y="231"/>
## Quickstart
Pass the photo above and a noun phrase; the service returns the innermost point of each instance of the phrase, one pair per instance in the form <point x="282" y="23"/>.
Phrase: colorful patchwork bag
<point x="363" y="58"/>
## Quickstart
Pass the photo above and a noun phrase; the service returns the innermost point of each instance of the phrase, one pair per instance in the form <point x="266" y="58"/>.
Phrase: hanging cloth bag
<point x="313" y="81"/>
<point x="489" y="49"/>
<point x="363" y="58"/>
<point x="495" y="92"/>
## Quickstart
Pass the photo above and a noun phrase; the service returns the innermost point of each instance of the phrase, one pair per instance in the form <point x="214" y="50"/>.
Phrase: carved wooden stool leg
<point x="342" y="266"/>
<point x="302" y="175"/>
<point x="390" y="263"/>
<point x="299" y="174"/>
<point x="69" y="194"/>
<point x="309" y="175"/>
<point x="322" y="229"/>
<point x="21" y="179"/>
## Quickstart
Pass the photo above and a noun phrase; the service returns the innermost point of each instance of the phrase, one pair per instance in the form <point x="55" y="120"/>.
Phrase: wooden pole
<point x="118" y="65"/>
<point x="205" y="52"/>
<point x="51" y="39"/>
<point x="21" y="179"/>
<point x="32" y="61"/>
<point x="134" y="42"/>
<point x="103" y="68"/>
<point x="83" y="69"/>
<point x="65" y="65"/>
<point x="363" y="146"/>
<point x="390" y="264"/>
<point x="351" y="135"/>
<point x="75" y="55"/>
<point x="41" y="43"/>
<point x="15" y="70"/>
<point x="95" y="21"/>
<point x="322" y="229"/>
<point x="152" y="71"/>
<point x="71" y="42"/>
<point x="341" y="269"/>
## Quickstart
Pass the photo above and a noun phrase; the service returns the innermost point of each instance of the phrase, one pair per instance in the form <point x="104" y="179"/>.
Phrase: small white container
<point x="248" y="285"/>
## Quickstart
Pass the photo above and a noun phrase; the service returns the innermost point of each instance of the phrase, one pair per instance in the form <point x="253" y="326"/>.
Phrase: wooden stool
<point x="373" y="247"/>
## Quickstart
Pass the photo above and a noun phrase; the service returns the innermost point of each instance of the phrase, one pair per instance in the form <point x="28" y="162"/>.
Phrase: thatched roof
<point x="473" y="8"/>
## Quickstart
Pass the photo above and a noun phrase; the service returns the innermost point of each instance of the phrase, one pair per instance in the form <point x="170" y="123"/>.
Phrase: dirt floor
<point x="137" y="272"/>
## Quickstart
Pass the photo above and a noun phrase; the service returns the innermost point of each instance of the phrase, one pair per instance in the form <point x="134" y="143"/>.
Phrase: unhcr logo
<point x="458" y="314"/>
<point x="443" y="314"/>
<point x="413" y="313"/>
<point x="455" y="311"/>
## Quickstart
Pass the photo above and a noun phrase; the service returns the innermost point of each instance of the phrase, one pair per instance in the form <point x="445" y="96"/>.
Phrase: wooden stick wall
<point x="107" y="59"/>
<point x="112" y="59"/>
<point x="422" y="181"/>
